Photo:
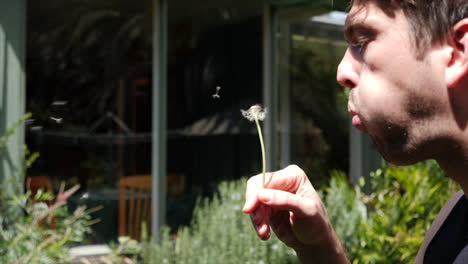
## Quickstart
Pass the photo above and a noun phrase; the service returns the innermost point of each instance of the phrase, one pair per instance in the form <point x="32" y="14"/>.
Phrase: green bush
<point x="41" y="233"/>
<point x="385" y="226"/>
<point x="36" y="229"/>
<point x="220" y="233"/>
<point x="389" y="224"/>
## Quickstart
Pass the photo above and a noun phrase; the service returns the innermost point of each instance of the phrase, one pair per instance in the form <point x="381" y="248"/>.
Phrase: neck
<point x="454" y="160"/>
<point x="455" y="164"/>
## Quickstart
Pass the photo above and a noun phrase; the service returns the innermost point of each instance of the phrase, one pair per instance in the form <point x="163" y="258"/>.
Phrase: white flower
<point x="254" y="111"/>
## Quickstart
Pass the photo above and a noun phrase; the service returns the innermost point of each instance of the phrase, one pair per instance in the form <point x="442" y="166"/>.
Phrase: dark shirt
<point x="452" y="236"/>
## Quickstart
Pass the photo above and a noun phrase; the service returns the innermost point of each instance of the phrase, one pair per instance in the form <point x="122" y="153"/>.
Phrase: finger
<point x="290" y="179"/>
<point x="251" y="202"/>
<point x="266" y="234"/>
<point x="261" y="220"/>
<point x="280" y="224"/>
<point x="281" y="200"/>
<point x="261" y="215"/>
<point x="263" y="231"/>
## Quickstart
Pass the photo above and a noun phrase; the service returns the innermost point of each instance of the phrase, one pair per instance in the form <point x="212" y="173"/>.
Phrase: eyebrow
<point x="351" y="28"/>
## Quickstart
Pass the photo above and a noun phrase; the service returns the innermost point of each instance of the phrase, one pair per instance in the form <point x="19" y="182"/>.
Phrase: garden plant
<point x="36" y="228"/>
<point x="385" y="225"/>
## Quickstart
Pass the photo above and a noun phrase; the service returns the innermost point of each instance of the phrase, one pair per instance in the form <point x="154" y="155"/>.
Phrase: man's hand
<point x="291" y="207"/>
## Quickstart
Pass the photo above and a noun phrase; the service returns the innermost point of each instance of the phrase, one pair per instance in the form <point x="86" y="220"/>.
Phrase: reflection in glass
<point x="214" y="70"/>
<point x="89" y="90"/>
<point x="315" y="105"/>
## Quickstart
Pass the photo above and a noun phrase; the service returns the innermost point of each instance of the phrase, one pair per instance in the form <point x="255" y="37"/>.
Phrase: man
<point x="407" y="71"/>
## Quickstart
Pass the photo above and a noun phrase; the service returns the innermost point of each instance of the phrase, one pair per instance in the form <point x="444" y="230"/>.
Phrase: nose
<point x="347" y="73"/>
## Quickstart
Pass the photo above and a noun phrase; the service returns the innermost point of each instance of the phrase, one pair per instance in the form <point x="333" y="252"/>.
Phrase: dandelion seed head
<point x="254" y="111"/>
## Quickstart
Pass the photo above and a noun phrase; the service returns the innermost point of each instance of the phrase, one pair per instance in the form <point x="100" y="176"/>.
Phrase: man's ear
<point x="457" y="69"/>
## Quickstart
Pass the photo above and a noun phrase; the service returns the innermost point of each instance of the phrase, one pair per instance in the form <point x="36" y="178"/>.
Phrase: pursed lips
<point x="356" y="119"/>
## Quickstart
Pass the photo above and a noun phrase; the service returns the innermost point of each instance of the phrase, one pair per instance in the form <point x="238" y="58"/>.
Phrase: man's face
<point x="394" y="96"/>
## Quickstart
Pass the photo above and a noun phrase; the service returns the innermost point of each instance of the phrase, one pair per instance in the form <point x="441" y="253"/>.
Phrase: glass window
<point x="214" y="70"/>
<point x="313" y="104"/>
<point x="89" y="90"/>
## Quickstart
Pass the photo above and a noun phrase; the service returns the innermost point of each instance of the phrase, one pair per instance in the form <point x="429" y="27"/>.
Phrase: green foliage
<point x="389" y="224"/>
<point x="36" y="229"/>
<point x="41" y="233"/>
<point x="321" y="145"/>
<point x="220" y="233"/>
<point x="386" y="226"/>
<point x="124" y="248"/>
<point x="344" y="207"/>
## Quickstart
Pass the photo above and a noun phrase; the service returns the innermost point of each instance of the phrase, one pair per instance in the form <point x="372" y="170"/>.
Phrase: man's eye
<point x="359" y="46"/>
<point x="360" y="43"/>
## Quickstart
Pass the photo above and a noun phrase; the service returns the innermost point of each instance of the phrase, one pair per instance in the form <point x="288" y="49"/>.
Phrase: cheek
<point x="379" y="99"/>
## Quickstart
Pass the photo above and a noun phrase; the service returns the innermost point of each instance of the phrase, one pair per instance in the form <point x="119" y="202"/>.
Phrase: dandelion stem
<point x="262" y="146"/>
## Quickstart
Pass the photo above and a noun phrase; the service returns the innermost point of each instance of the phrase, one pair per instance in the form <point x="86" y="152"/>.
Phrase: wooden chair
<point x="34" y="183"/>
<point x="134" y="205"/>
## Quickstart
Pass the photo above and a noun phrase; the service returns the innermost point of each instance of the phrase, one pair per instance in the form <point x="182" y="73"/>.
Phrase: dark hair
<point x="431" y="20"/>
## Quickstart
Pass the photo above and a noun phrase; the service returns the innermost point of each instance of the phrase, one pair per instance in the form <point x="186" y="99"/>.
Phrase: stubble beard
<point x="393" y="144"/>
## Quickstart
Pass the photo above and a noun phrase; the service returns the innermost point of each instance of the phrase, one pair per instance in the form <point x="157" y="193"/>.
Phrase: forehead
<point x="370" y="14"/>
<point x="388" y="6"/>
<point x="363" y="11"/>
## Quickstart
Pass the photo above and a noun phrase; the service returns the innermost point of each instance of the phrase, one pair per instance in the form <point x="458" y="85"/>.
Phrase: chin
<point x="397" y="150"/>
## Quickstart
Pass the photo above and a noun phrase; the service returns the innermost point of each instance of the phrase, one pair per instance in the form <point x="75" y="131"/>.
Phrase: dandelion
<point x="255" y="114"/>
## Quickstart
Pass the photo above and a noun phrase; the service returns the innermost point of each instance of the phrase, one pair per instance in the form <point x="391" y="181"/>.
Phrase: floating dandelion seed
<point x="216" y="95"/>
<point x="57" y="119"/>
<point x="59" y="103"/>
<point x="29" y="121"/>
<point x="255" y="114"/>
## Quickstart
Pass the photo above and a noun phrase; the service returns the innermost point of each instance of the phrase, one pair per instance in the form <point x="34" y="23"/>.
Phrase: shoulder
<point x="435" y="226"/>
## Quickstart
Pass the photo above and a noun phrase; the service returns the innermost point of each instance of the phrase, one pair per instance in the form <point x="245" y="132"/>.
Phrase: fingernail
<point x="265" y="196"/>
<point x="247" y="206"/>
<point x="257" y="227"/>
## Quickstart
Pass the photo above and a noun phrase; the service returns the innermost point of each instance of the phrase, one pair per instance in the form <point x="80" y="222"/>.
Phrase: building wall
<point x="12" y="84"/>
